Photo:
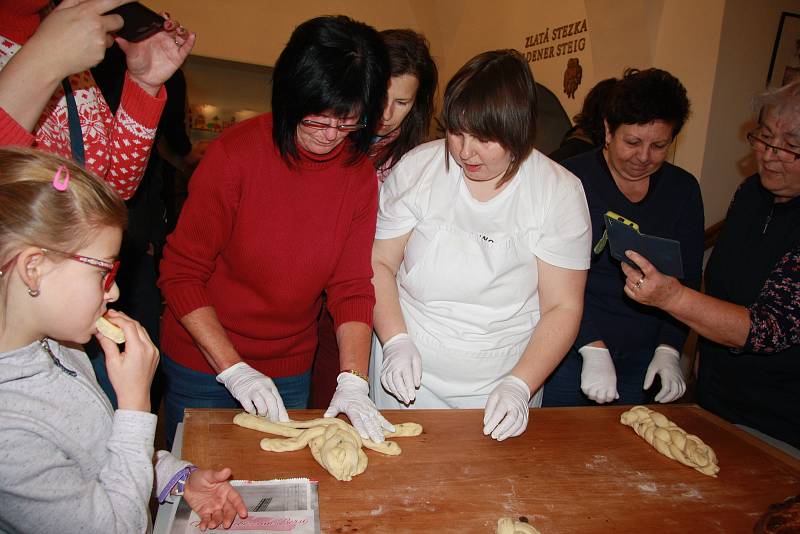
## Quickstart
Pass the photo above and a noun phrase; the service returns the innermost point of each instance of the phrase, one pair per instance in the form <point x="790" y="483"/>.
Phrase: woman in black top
<point x="623" y="346"/>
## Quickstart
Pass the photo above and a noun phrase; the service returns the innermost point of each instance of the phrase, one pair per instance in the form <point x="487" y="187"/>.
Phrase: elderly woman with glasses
<point x="749" y="317"/>
<point x="281" y="209"/>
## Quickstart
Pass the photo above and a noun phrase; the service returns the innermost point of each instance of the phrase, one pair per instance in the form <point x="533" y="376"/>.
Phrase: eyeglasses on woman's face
<point x="316" y="125"/>
<point x="110" y="268"/>
<point x="760" y="145"/>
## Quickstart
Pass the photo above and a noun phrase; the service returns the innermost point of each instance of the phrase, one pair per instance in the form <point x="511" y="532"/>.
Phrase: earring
<point x="33" y="292"/>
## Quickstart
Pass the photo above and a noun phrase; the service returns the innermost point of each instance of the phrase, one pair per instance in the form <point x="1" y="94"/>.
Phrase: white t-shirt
<point x="469" y="275"/>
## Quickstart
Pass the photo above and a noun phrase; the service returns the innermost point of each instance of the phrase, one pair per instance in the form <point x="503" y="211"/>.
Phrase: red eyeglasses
<point x="111" y="268"/>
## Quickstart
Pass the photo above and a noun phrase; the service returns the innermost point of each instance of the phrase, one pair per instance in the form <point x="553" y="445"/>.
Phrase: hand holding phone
<point x="624" y="234"/>
<point x="154" y="46"/>
<point x="140" y="22"/>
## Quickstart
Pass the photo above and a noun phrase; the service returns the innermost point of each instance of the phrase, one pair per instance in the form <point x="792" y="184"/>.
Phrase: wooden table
<point x="574" y="470"/>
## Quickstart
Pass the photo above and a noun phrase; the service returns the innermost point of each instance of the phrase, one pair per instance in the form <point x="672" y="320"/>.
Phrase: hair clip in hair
<point x="59" y="183"/>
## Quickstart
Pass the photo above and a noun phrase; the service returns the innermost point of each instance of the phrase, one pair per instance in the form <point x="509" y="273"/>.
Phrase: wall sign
<point x="555" y="42"/>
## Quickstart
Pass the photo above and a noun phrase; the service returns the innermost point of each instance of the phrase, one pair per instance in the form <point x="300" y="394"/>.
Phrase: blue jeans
<point x="187" y="388"/>
<point x="563" y="387"/>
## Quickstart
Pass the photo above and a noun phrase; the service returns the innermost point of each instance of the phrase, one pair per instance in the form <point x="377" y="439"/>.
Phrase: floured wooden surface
<point x="574" y="470"/>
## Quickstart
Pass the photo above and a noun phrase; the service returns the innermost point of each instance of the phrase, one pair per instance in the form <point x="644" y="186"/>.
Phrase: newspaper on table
<point x="287" y="506"/>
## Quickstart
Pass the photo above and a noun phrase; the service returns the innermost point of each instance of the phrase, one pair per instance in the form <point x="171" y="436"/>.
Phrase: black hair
<point x="330" y="63"/>
<point x="644" y="96"/>
<point x="590" y="119"/>
<point x="409" y="54"/>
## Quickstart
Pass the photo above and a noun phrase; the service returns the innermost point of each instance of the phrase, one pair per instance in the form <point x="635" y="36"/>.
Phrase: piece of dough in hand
<point x="111" y="331"/>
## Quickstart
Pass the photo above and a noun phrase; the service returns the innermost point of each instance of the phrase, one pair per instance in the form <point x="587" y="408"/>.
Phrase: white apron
<point x="469" y="298"/>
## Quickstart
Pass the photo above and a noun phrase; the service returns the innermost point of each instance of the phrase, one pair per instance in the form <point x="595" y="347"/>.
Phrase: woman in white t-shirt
<point x="480" y="256"/>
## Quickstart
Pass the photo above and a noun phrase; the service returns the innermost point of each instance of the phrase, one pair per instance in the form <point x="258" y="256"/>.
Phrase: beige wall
<point x="687" y="45"/>
<point x="467" y="27"/>
<point x="255" y="31"/>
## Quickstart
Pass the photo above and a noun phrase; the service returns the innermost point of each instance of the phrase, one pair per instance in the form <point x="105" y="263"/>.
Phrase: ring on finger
<point x="639" y="283"/>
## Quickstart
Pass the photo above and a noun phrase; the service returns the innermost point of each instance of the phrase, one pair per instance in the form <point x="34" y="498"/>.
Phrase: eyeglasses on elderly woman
<point x="759" y="145"/>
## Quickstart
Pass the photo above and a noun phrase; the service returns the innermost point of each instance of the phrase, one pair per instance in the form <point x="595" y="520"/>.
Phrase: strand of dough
<point x="507" y="525"/>
<point x="671" y="440"/>
<point x="334" y="444"/>
<point x="292" y="429"/>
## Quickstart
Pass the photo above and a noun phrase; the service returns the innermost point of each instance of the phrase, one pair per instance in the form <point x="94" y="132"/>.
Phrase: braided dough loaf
<point x="334" y="444"/>
<point x="671" y="440"/>
<point x="507" y="525"/>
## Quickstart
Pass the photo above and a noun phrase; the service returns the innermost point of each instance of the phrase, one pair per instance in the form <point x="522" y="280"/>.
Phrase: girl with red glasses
<point x="64" y="452"/>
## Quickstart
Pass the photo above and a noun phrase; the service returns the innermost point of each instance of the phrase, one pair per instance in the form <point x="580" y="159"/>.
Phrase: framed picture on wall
<point x="784" y="66"/>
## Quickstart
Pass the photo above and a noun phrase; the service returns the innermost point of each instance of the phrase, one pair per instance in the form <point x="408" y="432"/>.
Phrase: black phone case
<point x="664" y="254"/>
<point x="140" y="21"/>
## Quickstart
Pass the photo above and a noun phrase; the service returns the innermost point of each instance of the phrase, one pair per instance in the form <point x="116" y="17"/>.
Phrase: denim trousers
<point x="187" y="388"/>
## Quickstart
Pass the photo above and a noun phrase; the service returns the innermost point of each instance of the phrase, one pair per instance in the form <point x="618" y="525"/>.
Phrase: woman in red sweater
<point x="281" y="208"/>
<point x="405" y="123"/>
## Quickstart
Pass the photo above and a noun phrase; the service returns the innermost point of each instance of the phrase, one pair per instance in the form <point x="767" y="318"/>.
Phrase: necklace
<point x="46" y="347"/>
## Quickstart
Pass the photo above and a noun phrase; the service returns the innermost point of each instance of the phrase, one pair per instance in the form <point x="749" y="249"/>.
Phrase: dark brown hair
<point x="644" y="96"/>
<point x="409" y="54"/>
<point x="493" y="97"/>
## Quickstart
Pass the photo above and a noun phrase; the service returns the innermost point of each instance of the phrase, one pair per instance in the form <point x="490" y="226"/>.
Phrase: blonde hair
<point x="34" y="212"/>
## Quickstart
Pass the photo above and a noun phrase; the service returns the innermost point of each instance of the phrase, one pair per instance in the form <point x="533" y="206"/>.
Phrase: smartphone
<point x="140" y="22"/>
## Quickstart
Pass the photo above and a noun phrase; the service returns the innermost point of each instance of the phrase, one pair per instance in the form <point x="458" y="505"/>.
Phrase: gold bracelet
<point x="359" y="375"/>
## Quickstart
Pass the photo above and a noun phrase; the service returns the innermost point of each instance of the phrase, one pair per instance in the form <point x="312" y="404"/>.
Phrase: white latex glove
<point x="506" y="412"/>
<point x="666" y="363"/>
<point x="598" y="375"/>
<point x="255" y="391"/>
<point x="352" y="398"/>
<point x="402" y="368"/>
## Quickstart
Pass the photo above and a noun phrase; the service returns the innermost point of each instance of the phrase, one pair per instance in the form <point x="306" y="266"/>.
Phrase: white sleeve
<point x="406" y="189"/>
<point x="566" y="230"/>
<point x="398" y="212"/>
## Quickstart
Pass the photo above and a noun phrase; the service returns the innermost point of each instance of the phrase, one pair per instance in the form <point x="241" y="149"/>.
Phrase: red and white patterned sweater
<point x="116" y="147"/>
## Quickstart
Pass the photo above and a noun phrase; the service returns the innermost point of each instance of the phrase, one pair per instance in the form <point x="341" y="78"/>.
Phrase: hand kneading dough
<point x="334" y="444"/>
<point x="111" y="331"/>
<point x="671" y="440"/>
<point x="507" y="525"/>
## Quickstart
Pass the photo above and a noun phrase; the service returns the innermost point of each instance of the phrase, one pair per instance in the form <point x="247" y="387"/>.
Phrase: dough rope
<point x="334" y="444"/>
<point x="507" y="525"/>
<point x="671" y="440"/>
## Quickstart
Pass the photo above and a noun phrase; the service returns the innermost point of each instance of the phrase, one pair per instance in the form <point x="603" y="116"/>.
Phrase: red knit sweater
<point x="260" y="242"/>
<point x="117" y="147"/>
